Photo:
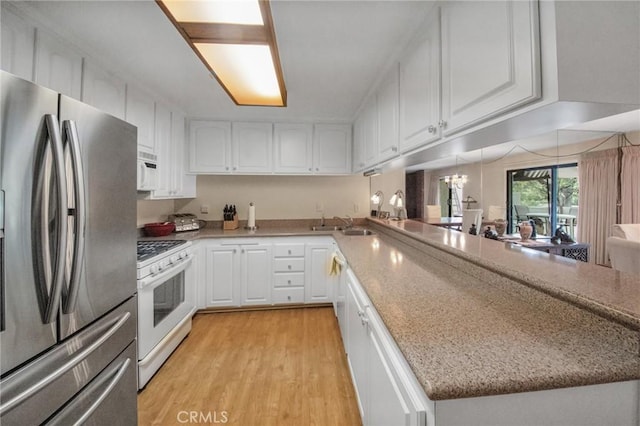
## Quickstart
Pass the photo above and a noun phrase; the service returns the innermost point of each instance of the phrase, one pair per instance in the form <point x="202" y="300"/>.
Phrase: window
<point x="547" y="195"/>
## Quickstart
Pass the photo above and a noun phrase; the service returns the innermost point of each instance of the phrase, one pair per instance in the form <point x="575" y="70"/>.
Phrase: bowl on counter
<point x="159" y="229"/>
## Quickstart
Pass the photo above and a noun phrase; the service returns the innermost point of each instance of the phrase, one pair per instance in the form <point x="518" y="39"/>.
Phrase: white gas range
<point x="166" y="302"/>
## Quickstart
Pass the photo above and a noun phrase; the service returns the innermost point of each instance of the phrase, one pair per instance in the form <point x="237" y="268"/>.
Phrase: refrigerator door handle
<point x="19" y="397"/>
<point x="49" y="267"/>
<point x="2" y="297"/>
<point x="72" y="140"/>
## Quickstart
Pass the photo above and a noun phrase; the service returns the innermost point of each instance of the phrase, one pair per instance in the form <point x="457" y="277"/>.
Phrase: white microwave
<point x="147" y="171"/>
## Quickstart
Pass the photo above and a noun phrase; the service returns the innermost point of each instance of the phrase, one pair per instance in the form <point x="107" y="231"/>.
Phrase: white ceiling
<point x="332" y="52"/>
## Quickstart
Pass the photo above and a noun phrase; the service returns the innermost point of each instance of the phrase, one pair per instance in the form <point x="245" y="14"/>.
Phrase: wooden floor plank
<point x="279" y="367"/>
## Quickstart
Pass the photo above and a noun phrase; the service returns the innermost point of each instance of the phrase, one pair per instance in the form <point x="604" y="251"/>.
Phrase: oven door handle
<point x="153" y="281"/>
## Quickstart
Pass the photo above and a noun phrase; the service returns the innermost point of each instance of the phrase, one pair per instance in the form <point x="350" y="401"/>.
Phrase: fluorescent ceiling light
<point x="246" y="71"/>
<point x="239" y="49"/>
<point x="244" y="12"/>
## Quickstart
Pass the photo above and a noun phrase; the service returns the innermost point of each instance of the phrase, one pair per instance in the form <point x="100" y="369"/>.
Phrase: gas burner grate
<point x="149" y="249"/>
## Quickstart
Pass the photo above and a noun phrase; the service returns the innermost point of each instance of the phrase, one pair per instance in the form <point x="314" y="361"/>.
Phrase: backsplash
<point x="154" y="211"/>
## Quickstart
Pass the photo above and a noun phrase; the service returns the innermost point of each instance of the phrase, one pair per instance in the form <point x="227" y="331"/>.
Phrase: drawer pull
<point x="289" y="298"/>
<point x="289" y="282"/>
<point x="289" y="266"/>
<point x="289" y="251"/>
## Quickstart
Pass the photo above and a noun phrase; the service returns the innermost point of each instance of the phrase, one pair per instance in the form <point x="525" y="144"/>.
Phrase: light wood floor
<point x="276" y="367"/>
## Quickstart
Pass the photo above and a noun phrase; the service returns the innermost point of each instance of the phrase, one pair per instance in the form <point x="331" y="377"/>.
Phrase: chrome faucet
<point x="348" y="223"/>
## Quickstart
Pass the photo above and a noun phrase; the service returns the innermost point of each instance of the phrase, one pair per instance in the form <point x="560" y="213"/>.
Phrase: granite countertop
<point x="466" y="329"/>
<point x="603" y="290"/>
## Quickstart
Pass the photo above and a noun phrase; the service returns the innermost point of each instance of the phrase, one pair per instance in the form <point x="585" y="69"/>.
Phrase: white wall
<point x="280" y="197"/>
<point x="154" y="211"/>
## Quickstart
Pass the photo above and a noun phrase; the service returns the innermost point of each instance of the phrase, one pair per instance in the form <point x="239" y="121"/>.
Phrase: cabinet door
<point x="318" y="285"/>
<point x="359" y="143"/>
<point x="420" y="87"/>
<point x="332" y="149"/>
<point x="256" y="274"/>
<point x="357" y="347"/>
<point x="164" y="150"/>
<point x="388" y="117"/>
<point x="252" y="147"/>
<point x="140" y="111"/>
<point x="221" y="273"/>
<point x="490" y="60"/>
<point x="209" y="146"/>
<point x="387" y="405"/>
<point x="371" y="132"/>
<point x="293" y="148"/>
<point x="58" y="67"/>
<point x="102" y="90"/>
<point x="18" y="42"/>
<point x="184" y="185"/>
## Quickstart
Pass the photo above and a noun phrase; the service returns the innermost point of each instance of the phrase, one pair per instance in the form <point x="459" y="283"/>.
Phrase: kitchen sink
<point x="326" y="228"/>
<point x="357" y="231"/>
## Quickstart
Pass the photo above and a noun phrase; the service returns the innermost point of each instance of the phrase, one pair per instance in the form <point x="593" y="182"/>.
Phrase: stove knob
<point x="173" y="259"/>
<point x="153" y="269"/>
<point x="183" y="254"/>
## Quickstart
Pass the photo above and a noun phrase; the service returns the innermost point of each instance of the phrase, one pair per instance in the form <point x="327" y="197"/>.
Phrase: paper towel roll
<point x="251" y="223"/>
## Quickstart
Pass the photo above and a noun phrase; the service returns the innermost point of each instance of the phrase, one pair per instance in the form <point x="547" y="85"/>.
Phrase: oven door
<point x="163" y="301"/>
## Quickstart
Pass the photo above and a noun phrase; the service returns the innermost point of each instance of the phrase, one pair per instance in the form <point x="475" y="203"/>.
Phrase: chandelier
<point x="456" y="180"/>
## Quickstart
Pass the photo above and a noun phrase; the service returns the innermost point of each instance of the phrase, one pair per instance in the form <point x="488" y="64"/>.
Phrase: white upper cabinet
<point x="420" y="86"/>
<point x="209" y="146"/>
<point x="388" y="98"/>
<point x="18" y="42"/>
<point x="103" y="90"/>
<point x="184" y="185"/>
<point x="57" y="65"/>
<point x="332" y="149"/>
<point x="140" y="111"/>
<point x="365" y="149"/>
<point x="293" y="148"/>
<point x="252" y="147"/>
<point x="490" y="60"/>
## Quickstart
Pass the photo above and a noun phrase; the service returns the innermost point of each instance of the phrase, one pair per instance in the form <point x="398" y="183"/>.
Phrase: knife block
<point x="230" y="224"/>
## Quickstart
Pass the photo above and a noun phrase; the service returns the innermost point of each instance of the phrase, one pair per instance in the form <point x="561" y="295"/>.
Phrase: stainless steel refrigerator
<point x="68" y="278"/>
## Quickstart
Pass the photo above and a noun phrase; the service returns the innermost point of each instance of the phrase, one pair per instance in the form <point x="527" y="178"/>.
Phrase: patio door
<point x="547" y="195"/>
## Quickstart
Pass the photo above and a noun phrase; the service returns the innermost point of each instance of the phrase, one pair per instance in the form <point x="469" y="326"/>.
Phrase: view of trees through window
<point x="546" y="195"/>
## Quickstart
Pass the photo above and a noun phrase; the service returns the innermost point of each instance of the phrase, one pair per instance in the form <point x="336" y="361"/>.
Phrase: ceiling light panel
<point x="246" y="70"/>
<point x="243" y="12"/>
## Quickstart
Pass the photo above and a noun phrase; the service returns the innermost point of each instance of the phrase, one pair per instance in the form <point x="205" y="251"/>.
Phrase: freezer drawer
<point x="110" y="398"/>
<point x="36" y="391"/>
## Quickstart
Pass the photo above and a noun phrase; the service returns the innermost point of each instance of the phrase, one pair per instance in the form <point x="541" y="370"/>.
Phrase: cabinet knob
<point x="442" y="124"/>
<point x="394" y="149"/>
<point x="289" y="251"/>
<point x="235" y="168"/>
<point x="235" y="250"/>
<point x="289" y="282"/>
<point x="289" y="266"/>
<point x="242" y="250"/>
<point x="317" y="169"/>
<point x="289" y="298"/>
<point x="310" y="169"/>
<point x="226" y="168"/>
<point x="431" y="128"/>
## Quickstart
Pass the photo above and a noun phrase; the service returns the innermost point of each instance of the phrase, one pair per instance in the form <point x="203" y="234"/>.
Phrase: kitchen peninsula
<point x="488" y="331"/>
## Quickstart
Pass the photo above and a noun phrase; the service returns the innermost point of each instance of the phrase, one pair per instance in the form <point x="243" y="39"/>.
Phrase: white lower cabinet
<point x="237" y="274"/>
<point x="383" y="390"/>
<point x="318" y="285"/>
<point x="266" y="271"/>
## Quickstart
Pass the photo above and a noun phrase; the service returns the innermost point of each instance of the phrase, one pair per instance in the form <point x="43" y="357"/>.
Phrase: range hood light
<point x="372" y="172"/>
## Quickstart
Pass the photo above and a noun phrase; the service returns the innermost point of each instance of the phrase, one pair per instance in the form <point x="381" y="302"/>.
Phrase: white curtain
<point x="434" y="185"/>
<point x="630" y="185"/>
<point x="598" y="175"/>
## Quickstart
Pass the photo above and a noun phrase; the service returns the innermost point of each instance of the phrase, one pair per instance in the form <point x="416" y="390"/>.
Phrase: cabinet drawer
<point x="295" y="279"/>
<point x="288" y="250"/>
<point x="288" y="265"/>
<point x="288" y="295"/>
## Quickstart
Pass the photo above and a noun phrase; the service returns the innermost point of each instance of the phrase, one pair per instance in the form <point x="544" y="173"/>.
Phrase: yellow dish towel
<point x="336" y="267"/>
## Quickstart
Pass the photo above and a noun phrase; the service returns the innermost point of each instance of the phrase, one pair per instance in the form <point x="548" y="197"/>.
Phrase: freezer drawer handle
<point x="17" y="399"/>
<point x="70" y="293"/>
<point x="49" y="261"/>
<point x="116" y="375"/>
